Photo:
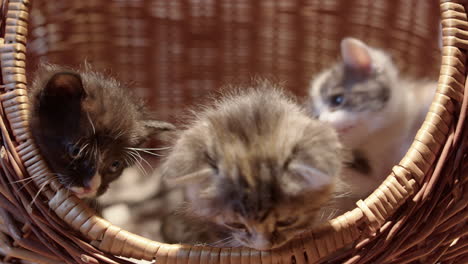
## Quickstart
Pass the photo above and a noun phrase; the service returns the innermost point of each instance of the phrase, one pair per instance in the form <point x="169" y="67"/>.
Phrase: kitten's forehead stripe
<point x="256" y="200"/>
<point x="263" y="216"/>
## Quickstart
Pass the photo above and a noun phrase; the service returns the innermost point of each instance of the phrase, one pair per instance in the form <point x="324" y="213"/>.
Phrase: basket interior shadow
<point x="176" y="52"/>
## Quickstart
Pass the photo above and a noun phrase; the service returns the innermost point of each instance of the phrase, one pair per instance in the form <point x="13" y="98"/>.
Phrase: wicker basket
<point x="176" y="51"/>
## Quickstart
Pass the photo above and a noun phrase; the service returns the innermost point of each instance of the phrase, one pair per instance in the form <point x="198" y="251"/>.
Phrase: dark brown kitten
<point x="87" y="126"/>
<point x="256" y="165"/>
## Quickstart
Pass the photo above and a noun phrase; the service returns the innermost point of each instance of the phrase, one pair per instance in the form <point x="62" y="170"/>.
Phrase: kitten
<point x="87" y="126"/>
<point x="375" y="111"/>
<point x="256" y="165"/>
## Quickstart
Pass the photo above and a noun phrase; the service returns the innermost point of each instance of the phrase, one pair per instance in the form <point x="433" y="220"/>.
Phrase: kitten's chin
<point x="344" y="130"/>
<point x="347" y="135"/>
<point x="83" y="193"/>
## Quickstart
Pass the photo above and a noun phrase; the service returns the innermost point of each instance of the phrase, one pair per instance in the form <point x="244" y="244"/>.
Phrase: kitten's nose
<point x="91" y="171"/>
<point x="88" y="169"/>
<point x="90" y="187"/>
<point x="92" y="182"/>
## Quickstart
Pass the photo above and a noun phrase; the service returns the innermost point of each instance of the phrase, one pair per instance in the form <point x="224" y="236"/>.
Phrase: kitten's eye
<point x="214" y="167"/>
<point x="287" y="162"/>
<point x="210" y="160"/>
<point x="115" y="166"/>
<point x="336" y="100"/>
<point x="236" y="225"/>
<point x="287" y="222"/>
<point x="73" y="151"/>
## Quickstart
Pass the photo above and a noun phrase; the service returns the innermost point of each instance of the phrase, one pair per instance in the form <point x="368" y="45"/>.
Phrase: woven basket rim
<point x="407" y="177"/>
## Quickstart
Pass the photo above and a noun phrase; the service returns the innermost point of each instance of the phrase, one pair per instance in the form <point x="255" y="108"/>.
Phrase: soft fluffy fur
<point x="376" y="112"/>
<point x="87" y="126"/>
<point x="255" y="164"/>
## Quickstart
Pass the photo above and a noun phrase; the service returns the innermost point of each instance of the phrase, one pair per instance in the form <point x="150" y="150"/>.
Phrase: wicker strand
<point x="386" y="227"/>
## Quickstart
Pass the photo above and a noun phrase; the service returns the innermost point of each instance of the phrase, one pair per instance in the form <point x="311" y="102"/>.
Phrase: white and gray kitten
<point x="375" y="111"/>
<point x="256" y="165"/>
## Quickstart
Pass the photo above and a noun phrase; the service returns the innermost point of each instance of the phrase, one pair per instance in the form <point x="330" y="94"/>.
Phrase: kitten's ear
<point x="356" y="55"/>
<point x="304" y="178"/>
<point x="64" y="85"/>
<point x="59" y="106"/>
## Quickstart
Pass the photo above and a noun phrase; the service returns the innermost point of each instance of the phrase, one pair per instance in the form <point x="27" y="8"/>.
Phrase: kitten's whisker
<point x="322" y="214"/>
<point x="149" y="150"/>
<point x="134" y="157"/>
<point x="118" y="128"/>
<point x="233" y="243"/>
<point x="131" y="157"/>
<point x="91" y="122"/>
<point x="142" y="159"/>
<point x="136" y="154"/>
<point x="121" y="133"/>
<point x="29" y="178"/>
<point x="77" y="142"/>
<point x="147" y="163"/>
<point x="151" y="153"/>
<point x="137" y="163"/>
<point x="222" y="242"/>
<point x="332" y="214"/>
<point x="82" y="149"/>
<point x="126" y="160"/>
<point x="25" y="184"/>
<point x="39" y="191"/>
<point x="32" y="178"/>
<point x="343" y="195"/>
<point x="163" y="148"/>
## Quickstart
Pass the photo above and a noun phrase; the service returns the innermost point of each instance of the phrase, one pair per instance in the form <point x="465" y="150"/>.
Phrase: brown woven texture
<point x="174" y="52"/>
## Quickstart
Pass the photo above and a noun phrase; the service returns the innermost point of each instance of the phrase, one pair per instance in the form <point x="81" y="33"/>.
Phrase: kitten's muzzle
<point x="344" y="129"/>
<point x="263" y="241"/>
<point x="89" y="189"/>
<point x="262" y="245"/>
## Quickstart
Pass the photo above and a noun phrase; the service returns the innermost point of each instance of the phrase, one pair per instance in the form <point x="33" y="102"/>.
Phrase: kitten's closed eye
<point x="287" y="221"/>
<point x="73" y="151"/>
<point x="236" y="225"/>
<point x="211" y="161"/>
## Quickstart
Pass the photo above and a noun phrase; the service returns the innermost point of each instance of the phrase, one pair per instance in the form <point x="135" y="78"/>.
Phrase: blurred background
<point x="174" y="53"/>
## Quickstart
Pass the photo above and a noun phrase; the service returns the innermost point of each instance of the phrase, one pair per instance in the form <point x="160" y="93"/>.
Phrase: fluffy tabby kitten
<point x="87" y="126"/>
<point x="375" y="111"/>
<point x="256" y="165"/>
